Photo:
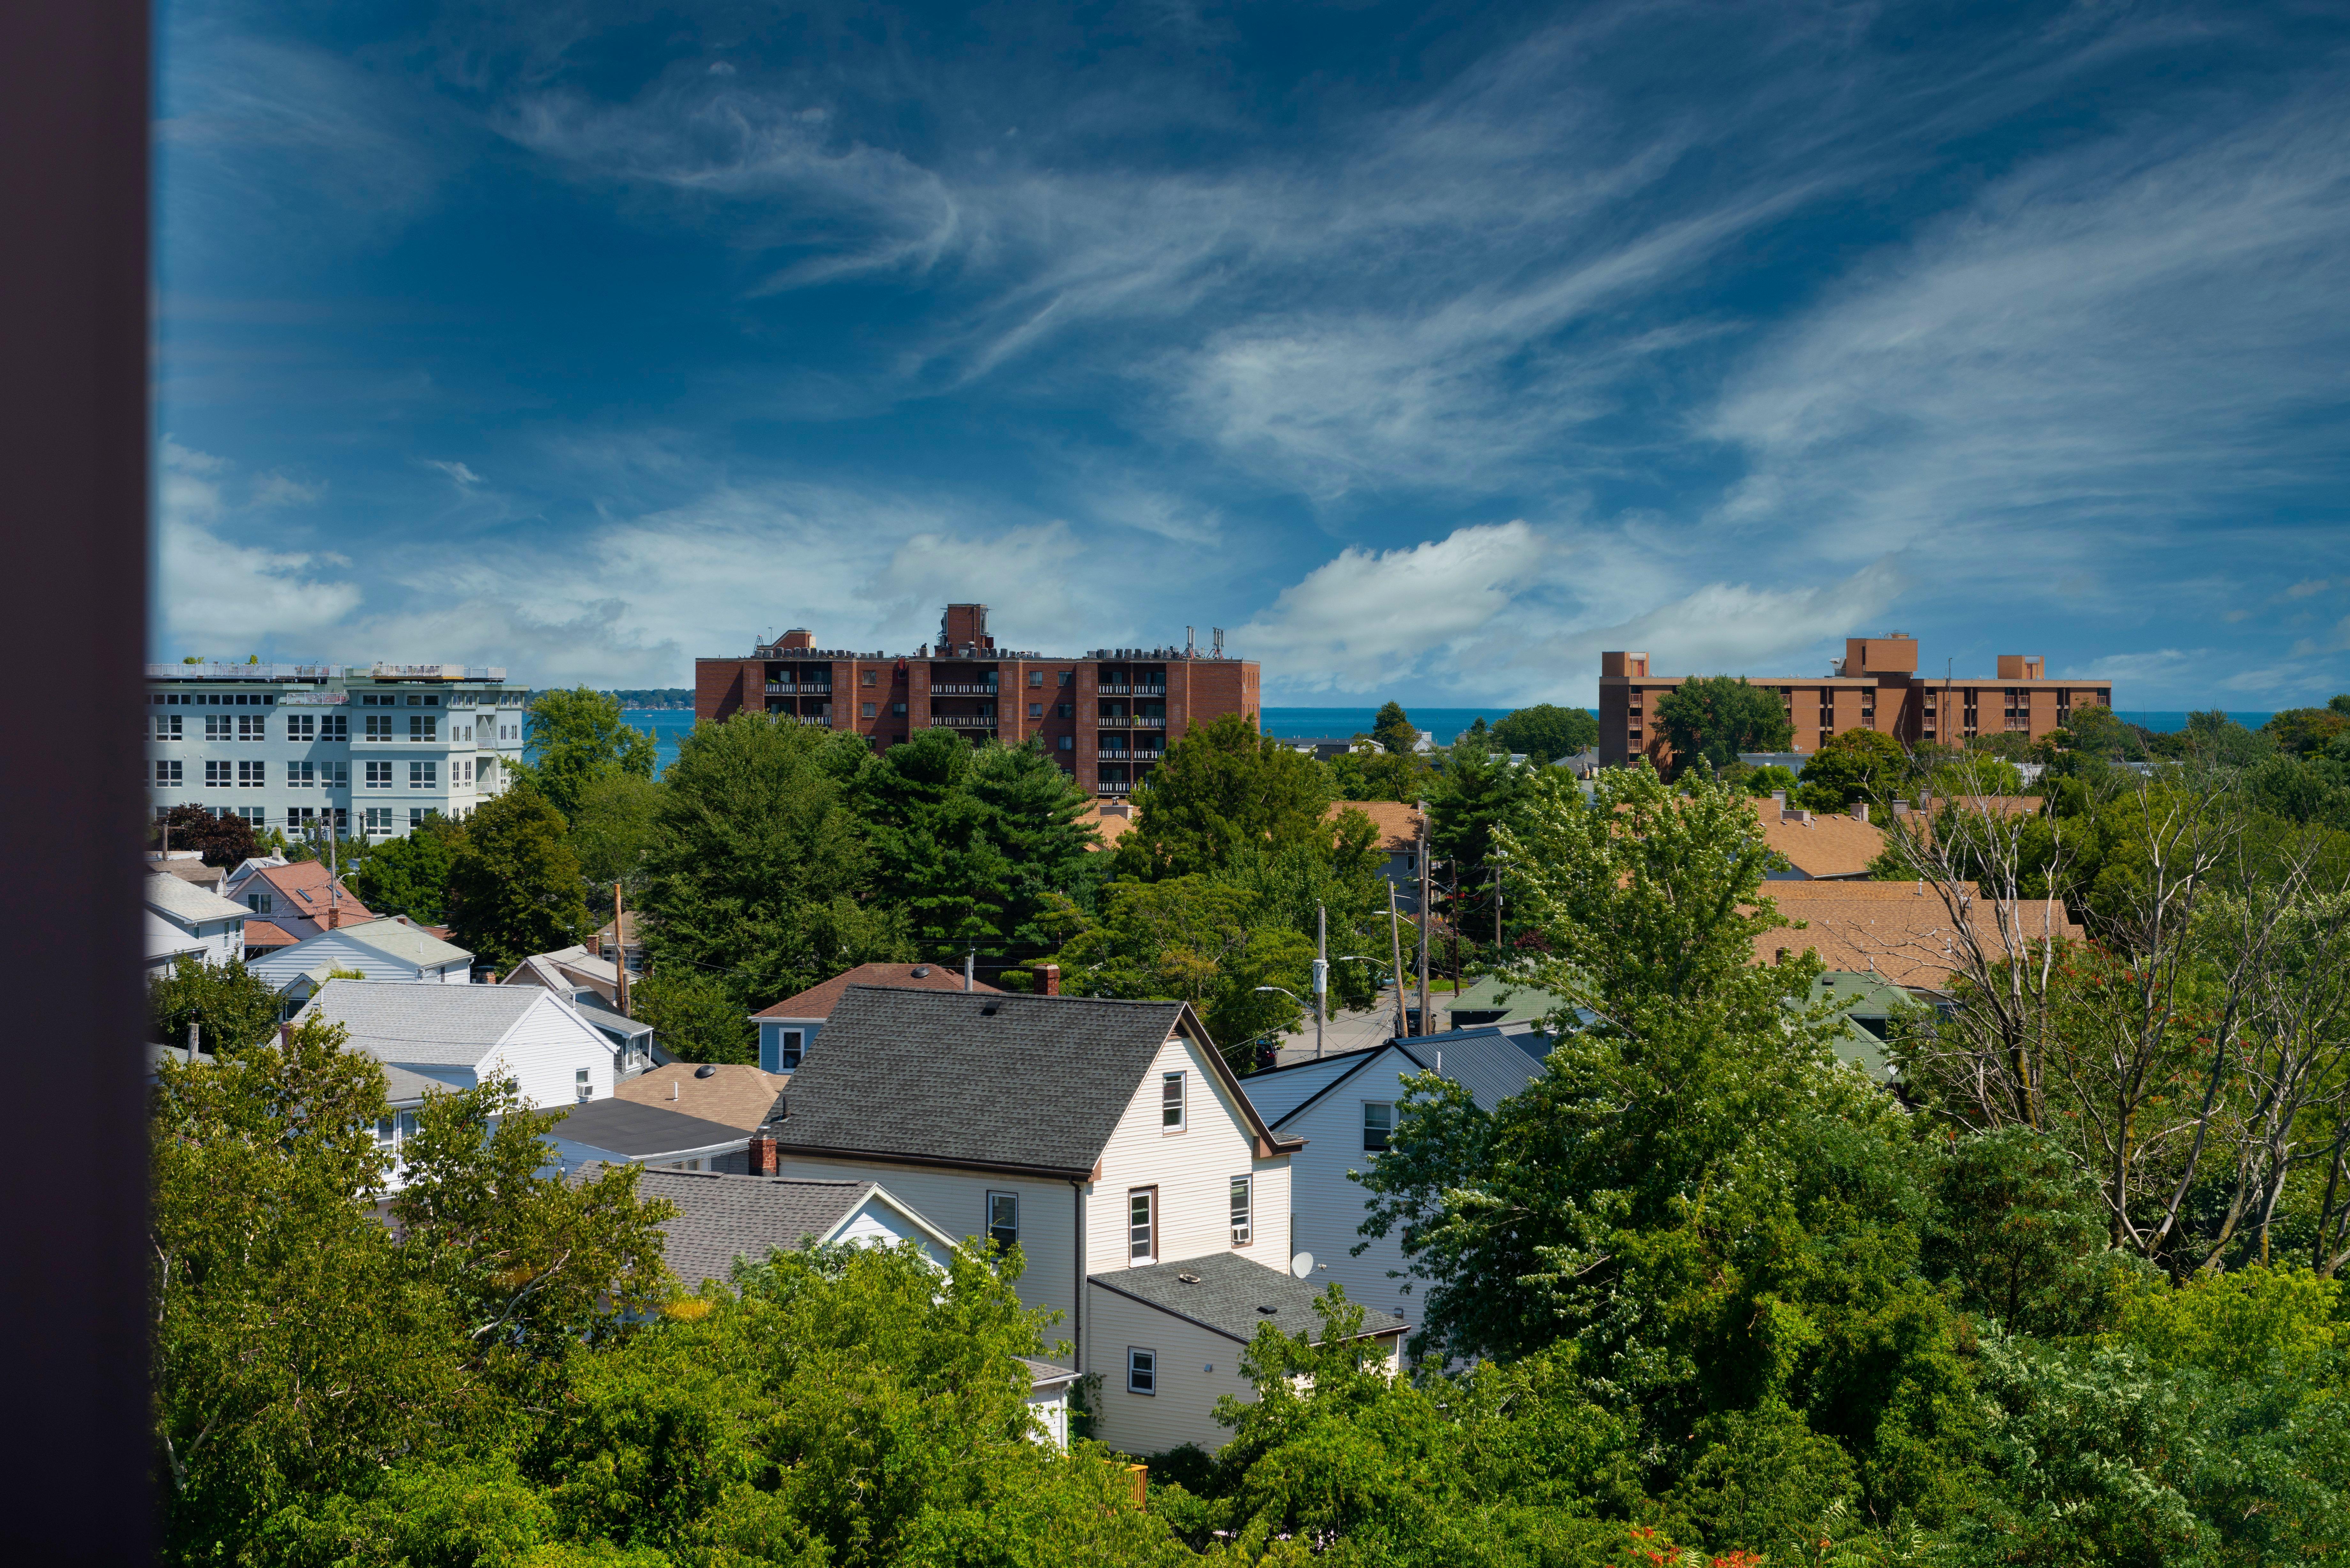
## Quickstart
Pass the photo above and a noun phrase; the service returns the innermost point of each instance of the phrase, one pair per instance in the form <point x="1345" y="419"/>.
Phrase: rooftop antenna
<point x="1217" y="634"/>
<point x="1190" y="642"/>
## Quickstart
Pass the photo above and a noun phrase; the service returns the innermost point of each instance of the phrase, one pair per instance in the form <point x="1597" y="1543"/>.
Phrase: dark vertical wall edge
<point x="74" y="84"/>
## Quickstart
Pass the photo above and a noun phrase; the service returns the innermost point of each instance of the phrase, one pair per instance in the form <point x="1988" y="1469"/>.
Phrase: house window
<point x="787" y="1050"/>
<point x="899" y="708"/>
<point x="865" y="678"/>
<point x="1142" y="1225"/>
<point x="423" y="776"/>
<point x="301" y="775"/>
<point x="423" y="727"/>
<point x="167" y="776"/>
<point x="251" y="776"/>
<point x="378" y="775"/>
<point x="335" y="727"/>
<point x="1065" y="710"/>
<point x="1239" y="1211"/>
<point x="253" y="726"/>
<point x="259" y="903"/>
<point x="415" y="816"/>
<point x="1065" y="675"/>
<point x="1141" y="1370"/>
<point x="334" y="775"/>
<point x="1379" y="1121"/>
<point x="1170" y="1101"/>
<point x="392" y="1131"/>
<point x="167" y="726"/>
<point x="378" y="818"/>
<point x="584" y="1089"/>
<point x="1068" y="742"/>
<point x="301" y="726"/>
<point x="865" y="709"/>
<point x="1035" y="710"/>
<point x="376" y="726"/>
<point x="1004" y="1218"/>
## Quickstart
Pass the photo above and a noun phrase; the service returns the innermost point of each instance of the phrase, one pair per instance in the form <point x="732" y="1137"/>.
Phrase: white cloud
<point x="462" y="477"/>
<point x="214" y="592"/>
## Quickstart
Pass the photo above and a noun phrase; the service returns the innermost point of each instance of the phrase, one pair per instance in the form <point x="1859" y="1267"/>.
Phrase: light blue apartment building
<point x="371" y="749"/>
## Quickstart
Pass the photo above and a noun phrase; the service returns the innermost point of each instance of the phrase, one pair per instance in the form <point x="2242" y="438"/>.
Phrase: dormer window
<point x="1170" y="1101"/>
<point x="787" y="1049"/>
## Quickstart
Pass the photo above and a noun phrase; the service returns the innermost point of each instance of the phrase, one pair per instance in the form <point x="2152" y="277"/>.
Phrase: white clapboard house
<point x="1344" y="1107"/>
<point x="460" y="1036"/>
<point x="385" y="949"/>
<point x="1110" y="1141"/>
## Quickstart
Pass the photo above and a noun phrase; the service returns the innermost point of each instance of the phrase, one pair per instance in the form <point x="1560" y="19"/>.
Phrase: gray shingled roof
<point x="402" y="1021"/>
<point x="186" y="901"/>
<point x="1226" y="1293"/>
<point x="722" y="1217"/>
<point x="641" y="1131"/>
<point x="972" y="1078"/>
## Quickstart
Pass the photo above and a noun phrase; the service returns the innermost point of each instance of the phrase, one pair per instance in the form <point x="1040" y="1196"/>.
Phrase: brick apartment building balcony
<point x="962" y="721"/>
<point x="958" y="689"/>
<point x="786" y="689"/>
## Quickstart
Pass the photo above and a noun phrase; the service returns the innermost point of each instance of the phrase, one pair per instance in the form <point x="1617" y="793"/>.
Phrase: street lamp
<point x="1317" y="1019"/>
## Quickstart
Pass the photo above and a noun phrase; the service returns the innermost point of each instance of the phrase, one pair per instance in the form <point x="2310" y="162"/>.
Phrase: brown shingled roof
<point x="302" y="885"/>
<point x="265" y="936"/>
<point x="1398" y="823"/>
<point x="736" y="1096"/>
<point x="818" y="1001"/>
<point x="1826" y="846"/>
<point x="1900" y="931"/>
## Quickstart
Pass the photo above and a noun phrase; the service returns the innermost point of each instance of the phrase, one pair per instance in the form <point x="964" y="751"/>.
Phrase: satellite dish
<point x="1302" y="1264"/>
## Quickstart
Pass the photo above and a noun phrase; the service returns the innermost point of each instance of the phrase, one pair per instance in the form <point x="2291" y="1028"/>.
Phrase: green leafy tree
<point x="221" y="840"/>
<point x="1478" y="794"/>
<point x="1192" y="939"/>
<point x="1859" y="764"/>
<point x="514" y="883"/>
<point x="613" y="827"/>
<point x="760" y="873"/>
<point x="1366" y="774"/>
<point x="578" y="737"/>
<point x="1767" y="780"/>
<point x="1223" y="791"/>
<point x="1716" y="717"/>
<point x="694" y="1016"/>
<point x="1391" y="727"/>
<point x="302" y="1347"/>
<point x="2304" y="732"/>
<point x="1032" y="818"/>
<point x="230" y="1007"/>
<point x="1545" y="733"/>
<point x="935" y="861"/>
<point x="410" y="875"/>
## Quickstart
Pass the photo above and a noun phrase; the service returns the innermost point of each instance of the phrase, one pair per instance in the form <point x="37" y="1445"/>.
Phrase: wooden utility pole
<point x="1426" y="917"/>
<point x="1395" y="945"/>
<point x="619" y="950"/>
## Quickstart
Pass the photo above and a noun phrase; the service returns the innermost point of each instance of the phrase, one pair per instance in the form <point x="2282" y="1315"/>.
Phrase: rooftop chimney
<point x="798" y="636"/>
<point x="1048" y="979"/>
<point x="762" y="1155"/>
<point x="1860" y="811"/>
<point x="1900" y="808"/>
<point x="970" y="962"/>
<point x="1778" y="799"/>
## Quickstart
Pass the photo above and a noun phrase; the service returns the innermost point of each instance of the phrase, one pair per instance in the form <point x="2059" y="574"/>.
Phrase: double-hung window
<point x="218" y="726"/>
<point x="1379" y="1121"/>
<point x="1240" y="1230"/>
<point x="423" y="727"/>
<point x="789" y="1044"/>
<point x="167" y="726"/>
<point x="423" y="776"/>
<point x="1170" y="1101"/>
<point x="301" y="726"/>
<point x="1004" y="1218"/>
<point x="259" y="903"/>
<point x="377" y="819"/>
<point x="378" y="775"/>
<point x="1142" y="1225"/>
<point x="251" y="775"/>
<point x="1035" y="710"/>
<point x="378" y="726"/>
<point x="167" y="775"/>
<point x="301" y="775"/>
<point x="335" y="727"/>
<point x="253" y="726"/>
<point x="335" y="776"/>
<point x="1141" y="1370"/>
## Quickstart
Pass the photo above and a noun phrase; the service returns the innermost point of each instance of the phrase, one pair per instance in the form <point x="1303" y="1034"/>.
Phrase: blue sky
<point x="1429" y="350"/>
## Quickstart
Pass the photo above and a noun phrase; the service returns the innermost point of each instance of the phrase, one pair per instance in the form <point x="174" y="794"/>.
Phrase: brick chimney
<point x="762" y="1154"/>
<point x="1049" y="979"/>
<point x="798" y="636"/>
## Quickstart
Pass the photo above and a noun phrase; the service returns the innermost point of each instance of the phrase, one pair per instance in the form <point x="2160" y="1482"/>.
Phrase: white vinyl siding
<point x="1182" y="1407"/>
<point x="956" y="1202"/>
<point x="545" y="1051"/>
<point x="879" y="1224"/>
<point x="1192" y="1171"/>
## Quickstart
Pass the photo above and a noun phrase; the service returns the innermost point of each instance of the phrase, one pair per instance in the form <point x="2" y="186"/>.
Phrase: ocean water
<point x="670" y="725"/>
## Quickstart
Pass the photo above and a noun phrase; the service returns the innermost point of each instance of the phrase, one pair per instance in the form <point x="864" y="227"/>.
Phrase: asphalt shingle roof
<point x="1226" y="1293"/>
<point x="439" y="1026"/>
<point x="410" y="944"/>
<point x="723" y="1218"/>
<point x="640" y="1132"/>
<point x="1490" y="1062"/>
<point x="818" y="1001"/>
<point x="990" y="1079"/>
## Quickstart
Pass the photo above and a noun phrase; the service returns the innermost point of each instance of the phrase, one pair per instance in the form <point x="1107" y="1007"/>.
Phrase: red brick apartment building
<point x="1107" y="717"/>
<point x="1875" y="686"/>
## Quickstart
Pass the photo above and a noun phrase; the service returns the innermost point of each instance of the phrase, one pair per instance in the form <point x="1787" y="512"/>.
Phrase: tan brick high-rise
<point x="1105" y="717"/>
<point x="1875" y="686"/>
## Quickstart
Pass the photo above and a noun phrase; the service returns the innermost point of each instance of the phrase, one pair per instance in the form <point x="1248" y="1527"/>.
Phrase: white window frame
<point x="1384" y="1128"/>
<point x="1170" y="1105"/>
<point x="335" y="727"/>
<point x="1142" y="1239"/>
<point x="378" y="728"/>
<point x="377" y="776"/>
<point x="424" y="775"/>
<point x="997" y="1199"/>
<point x="253" y="775"/>
<point x="1244" y="1206"/>
<point x="791" y="1049"/>
<point x="1141" y="1364"/>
